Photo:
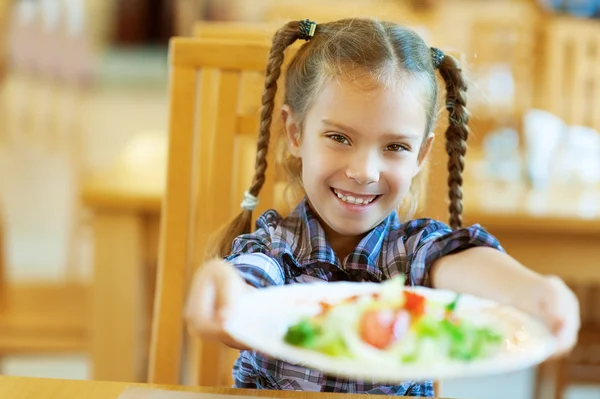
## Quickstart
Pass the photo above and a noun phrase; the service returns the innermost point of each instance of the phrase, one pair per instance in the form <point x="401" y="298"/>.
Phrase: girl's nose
<point x="363" y="169"/>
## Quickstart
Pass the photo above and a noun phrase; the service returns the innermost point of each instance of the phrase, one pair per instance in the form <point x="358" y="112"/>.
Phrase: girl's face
<point x="361" y="144"/>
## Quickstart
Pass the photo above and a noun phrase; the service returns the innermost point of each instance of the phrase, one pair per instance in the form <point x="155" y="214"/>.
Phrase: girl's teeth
<point x="352" y="200"/>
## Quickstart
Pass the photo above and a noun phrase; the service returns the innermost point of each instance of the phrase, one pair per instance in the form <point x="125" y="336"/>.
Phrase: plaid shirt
<point x="294" y="250"/>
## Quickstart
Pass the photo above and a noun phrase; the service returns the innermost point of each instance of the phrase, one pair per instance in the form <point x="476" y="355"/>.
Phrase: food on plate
<point x="398" y="324"/>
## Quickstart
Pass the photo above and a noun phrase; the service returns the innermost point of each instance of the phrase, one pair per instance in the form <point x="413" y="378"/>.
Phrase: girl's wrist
<point x="529" y="294"/>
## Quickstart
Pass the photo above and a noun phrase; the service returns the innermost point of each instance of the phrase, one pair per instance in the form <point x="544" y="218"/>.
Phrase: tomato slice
<point x="414" y="303"/>
<point x="382" y="327"/>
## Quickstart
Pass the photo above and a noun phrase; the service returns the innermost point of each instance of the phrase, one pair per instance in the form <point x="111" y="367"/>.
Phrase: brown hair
<point x="357" y="46"/>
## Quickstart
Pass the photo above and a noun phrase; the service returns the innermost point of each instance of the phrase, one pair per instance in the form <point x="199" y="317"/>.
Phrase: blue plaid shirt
<point x="294" y="250"/>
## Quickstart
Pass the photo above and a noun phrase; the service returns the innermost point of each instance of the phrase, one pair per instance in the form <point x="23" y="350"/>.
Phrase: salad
<point x="395" y="325"/>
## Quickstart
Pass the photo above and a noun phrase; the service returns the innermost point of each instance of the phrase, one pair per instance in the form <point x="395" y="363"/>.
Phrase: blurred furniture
<point x="186" y="13"/>
<point x="45" y="319"/>
<point x="40" y="318"/>
<point x="403" y="12"/>
<point x="571" y="83"/>
<point x="4" y="13"/>
<point x="2" y="256"/>
<point x="125" y="202"/>
<point x="204" y="128"/>
<point x="582" y="366"/>
<point x="22" y="387"/>
<point x="500" y="55"/>
<point x="552" y="230"/>
<point x="255" y="31"/>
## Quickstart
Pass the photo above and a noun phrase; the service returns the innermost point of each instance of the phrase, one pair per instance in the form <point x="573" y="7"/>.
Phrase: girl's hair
<point x="386" y="52"/>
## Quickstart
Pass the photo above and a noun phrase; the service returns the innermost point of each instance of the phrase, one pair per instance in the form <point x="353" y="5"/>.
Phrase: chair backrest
<point x="571" y="82"/>
<point x="206" y="123"/>
<point x="254" y="31"/>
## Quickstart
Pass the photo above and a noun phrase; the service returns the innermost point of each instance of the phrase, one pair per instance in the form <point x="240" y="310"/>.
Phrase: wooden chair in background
<point x="35" y="317"/>
<point x="2" y="260"/>
<point x="205" y="124"/>
<point x="582" y="366"/>
<point x="570" y="86"/>
<point x="251" y="31"/>
<point x="40" y="318"/>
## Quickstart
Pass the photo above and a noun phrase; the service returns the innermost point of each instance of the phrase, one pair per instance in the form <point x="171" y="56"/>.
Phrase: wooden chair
<point x="205" y="124"/>
<point x="40" y="318"/>
<point x="210" y="114"/>
<point x="582" y="366"/>
<point x="570" y="86"/>
<point x="254" y="31"/>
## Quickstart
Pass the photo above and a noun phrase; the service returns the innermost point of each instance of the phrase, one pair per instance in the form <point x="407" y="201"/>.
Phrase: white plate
<point x="262" y="319"/>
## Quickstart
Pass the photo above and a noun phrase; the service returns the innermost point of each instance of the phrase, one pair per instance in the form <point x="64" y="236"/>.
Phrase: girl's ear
<point x="292" y="130"/>
<point x="425" y="150"/>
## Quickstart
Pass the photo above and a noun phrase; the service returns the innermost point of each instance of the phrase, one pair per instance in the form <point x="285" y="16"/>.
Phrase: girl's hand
<point x="216" y="285"/>
<point x="553" y="302"/>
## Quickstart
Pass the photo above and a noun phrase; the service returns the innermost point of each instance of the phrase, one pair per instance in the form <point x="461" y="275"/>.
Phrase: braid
<point x="283" y="38"/>
<point x="456" y="134"/>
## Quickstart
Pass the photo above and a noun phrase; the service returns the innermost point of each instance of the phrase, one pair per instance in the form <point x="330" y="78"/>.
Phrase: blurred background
<point x="84" y="105"/>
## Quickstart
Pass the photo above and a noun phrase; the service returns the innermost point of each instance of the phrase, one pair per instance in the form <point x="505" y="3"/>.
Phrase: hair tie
<point x="437" y="56"/>
<point x="306" y="29"/>
<point x="250" y="201"/>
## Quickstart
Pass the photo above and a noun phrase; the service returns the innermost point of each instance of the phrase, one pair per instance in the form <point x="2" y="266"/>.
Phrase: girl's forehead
<point x="373" y="109"/>
<point x="364" y="93"/>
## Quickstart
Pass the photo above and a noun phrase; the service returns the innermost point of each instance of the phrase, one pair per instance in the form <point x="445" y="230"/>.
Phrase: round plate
<point x="262" y="319"/>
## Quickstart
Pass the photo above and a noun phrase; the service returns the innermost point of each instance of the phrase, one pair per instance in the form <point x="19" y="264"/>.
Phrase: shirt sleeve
<point x="429" y="240"/>
<point x="252" y="258"/>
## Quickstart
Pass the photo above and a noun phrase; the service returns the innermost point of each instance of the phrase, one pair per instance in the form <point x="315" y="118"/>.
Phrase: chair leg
<point x="2" y="263"/>
<point x="542" y="372"/>
<point x="560" y="380"/>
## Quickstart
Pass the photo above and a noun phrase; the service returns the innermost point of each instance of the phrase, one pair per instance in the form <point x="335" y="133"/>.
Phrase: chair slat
<point x="167" y="328"/>
<point x="214" y="53"/>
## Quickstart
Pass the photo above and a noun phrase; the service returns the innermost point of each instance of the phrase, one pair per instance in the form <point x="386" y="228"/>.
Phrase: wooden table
<point x="34" y="388"/>
<point x="553" y="231"/>
<point x="126" y="202"/>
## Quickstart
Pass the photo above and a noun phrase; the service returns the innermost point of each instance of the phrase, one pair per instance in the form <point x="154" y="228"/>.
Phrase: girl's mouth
<point x="353" y="198"/>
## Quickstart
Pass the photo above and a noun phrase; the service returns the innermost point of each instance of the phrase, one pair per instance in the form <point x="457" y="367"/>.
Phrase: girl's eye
<point x="339" y="138"/>
<point x="396" y="148"/>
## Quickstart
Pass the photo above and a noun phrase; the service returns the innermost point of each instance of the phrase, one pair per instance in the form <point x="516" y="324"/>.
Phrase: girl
<point x="359" y="111"/>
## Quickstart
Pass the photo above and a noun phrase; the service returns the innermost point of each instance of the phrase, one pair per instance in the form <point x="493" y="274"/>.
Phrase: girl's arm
<point x="216" y="285"/>
<point x="492" y="274"/>
<point x="487" y="273"/>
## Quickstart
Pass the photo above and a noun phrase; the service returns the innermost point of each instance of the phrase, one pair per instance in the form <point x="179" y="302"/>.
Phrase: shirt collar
<point x="308" y="244"/>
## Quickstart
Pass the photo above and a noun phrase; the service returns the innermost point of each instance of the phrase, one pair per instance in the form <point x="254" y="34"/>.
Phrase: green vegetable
<point x="303" y="334"/>
<point x="333" y="346"/>
<point x="468" y="342"/>
<point x="307" y="334"/>
<point x="409" y="357"/>
<point x="428" y="327"/>
<point x="452" y="305"/>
